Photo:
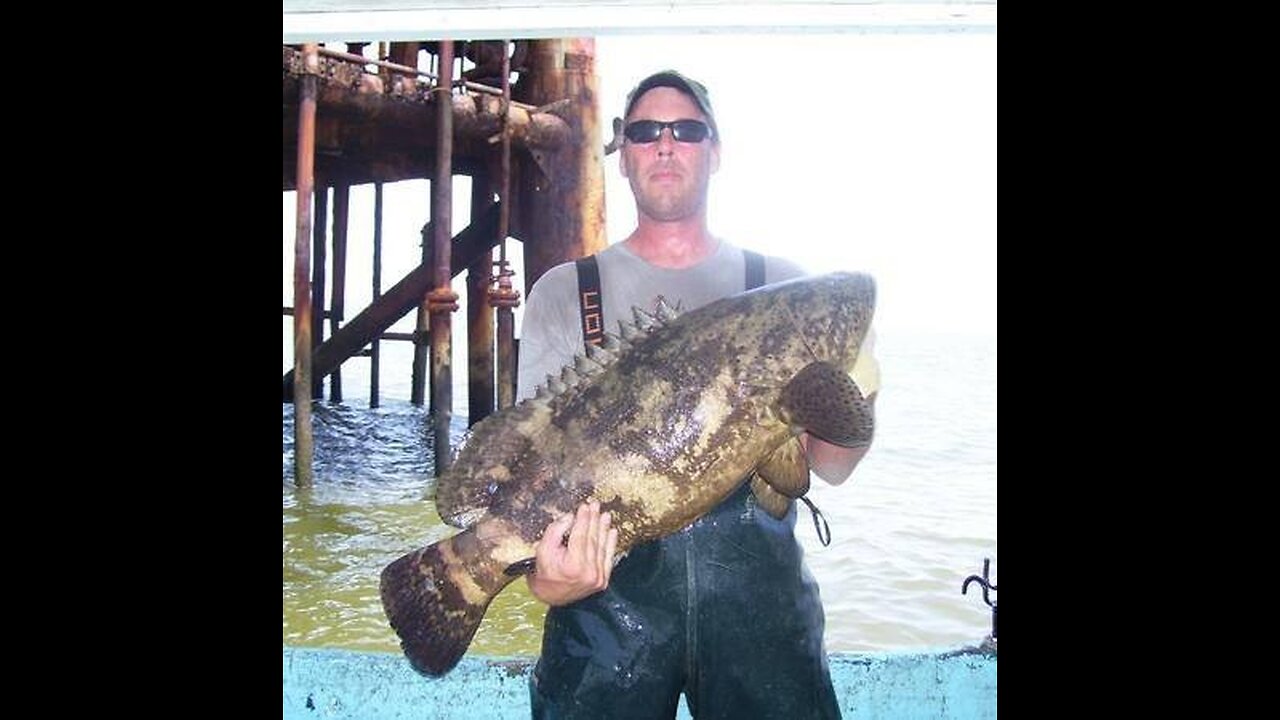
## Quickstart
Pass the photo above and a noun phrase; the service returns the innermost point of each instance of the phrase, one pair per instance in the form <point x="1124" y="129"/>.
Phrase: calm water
<point x="917" y="517"/>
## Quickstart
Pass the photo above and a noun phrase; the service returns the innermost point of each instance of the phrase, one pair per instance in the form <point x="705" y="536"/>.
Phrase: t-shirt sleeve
<point x="778" y="269"/>
<point x="550" y="333"/>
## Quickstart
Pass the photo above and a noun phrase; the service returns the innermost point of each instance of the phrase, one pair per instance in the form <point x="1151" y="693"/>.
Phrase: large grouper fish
<point x="659" y="425"/>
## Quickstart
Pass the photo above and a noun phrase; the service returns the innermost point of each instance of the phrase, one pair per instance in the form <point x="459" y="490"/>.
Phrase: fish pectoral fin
<point x="773" y="502"/>
<point x="826" y="402"/>
<point x="786" y="470"/>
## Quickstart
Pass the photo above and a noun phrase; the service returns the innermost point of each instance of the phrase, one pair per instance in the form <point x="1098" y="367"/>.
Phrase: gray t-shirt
<point x="552" y="327"/>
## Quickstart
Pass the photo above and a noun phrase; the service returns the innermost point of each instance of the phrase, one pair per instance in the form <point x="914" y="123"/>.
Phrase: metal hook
<point x="985" y="582"/>
<point x="824" y="538"/>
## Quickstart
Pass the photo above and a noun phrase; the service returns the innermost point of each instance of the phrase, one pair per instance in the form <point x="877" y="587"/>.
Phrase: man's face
<point x="668" y="178"/>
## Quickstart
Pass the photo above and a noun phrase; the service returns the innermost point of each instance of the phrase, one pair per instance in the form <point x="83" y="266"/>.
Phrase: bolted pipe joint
<point x="442" y="300"/>
<point x="504" y="295"/>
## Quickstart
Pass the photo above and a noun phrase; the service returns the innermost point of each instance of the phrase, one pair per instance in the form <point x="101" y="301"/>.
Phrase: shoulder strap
<point x="589" y="300"/>
<point x="755" y="268"/>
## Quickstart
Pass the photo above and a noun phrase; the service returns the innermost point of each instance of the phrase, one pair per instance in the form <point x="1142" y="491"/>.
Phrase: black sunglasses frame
<point x="643" y="132"/>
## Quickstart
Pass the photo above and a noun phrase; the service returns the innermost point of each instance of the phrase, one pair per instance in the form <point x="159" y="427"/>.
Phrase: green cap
<point x="688" y="86"/>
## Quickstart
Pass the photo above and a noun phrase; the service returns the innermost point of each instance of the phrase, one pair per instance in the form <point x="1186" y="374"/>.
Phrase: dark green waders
<point x="723" y="610"/>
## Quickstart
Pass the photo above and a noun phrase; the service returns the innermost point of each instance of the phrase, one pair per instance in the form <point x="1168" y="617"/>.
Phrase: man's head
<point x="671" y="146"/>
<point x="670" y="78"/>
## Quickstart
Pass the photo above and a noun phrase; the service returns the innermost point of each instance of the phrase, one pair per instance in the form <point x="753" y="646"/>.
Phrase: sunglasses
<point x="647" y="131"/>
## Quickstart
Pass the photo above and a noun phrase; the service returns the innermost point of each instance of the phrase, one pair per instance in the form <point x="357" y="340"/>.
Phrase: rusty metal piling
<point x="479" y="314"/>
<point x="377" y="291"/>
<point x="319" y="232"/>
<point x="303" y="449"/>
<point x="341" y="200"/>
<point x="505" y="297"/>
<point x="442" y="301"/>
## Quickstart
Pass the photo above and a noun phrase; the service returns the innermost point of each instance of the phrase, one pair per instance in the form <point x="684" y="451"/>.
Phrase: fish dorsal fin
<point x="584" y="368"/>
<point x="825" y="401"/>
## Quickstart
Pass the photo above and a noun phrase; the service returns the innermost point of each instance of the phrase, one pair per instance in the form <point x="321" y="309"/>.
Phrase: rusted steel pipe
<point x="319" y="231"/>
<point x="505" y="297"/>
<point x="422" y="322"/>
<point x="377" y="290"/>
<point x="506" y="351"/>
<point x="341" y="197"/>
<point x="303" y="448"/>
<point x="479" y="315"/>
<point x="442" y="301"/>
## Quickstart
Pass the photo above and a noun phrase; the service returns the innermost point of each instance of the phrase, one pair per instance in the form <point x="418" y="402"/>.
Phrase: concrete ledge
<point x="330" y="683"/>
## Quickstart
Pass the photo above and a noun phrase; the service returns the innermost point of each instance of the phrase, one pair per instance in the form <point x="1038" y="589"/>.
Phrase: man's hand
<point x="568" y="572"/>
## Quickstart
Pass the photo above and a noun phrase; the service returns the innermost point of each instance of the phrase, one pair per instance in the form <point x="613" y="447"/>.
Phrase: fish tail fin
<point x="435" y="605"/>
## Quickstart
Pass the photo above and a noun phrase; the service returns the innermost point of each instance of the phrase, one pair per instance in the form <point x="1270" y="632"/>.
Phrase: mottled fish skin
<point x="659" y="434"/>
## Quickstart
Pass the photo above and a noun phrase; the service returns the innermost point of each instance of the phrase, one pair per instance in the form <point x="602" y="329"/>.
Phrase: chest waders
<point x="724" y="610"/>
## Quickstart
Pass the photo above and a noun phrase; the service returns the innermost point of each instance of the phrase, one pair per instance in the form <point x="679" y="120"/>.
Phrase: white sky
<point x="872" y="152"/>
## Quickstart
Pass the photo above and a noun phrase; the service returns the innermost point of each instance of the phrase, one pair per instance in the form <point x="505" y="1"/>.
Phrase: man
<point x="724" y="610"/>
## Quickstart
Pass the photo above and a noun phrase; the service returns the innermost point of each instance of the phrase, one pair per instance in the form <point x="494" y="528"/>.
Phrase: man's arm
<point x="831" y="462"/>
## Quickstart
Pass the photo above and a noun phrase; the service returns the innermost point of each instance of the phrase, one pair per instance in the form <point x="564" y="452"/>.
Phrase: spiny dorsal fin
<point x="601" y="355"/>
<point x="569" y="376"/>
<point x="629" y="332"/>
<point x="555" y="385"/>
<point x="586" y="366"/>
<point x="645" y="321"/>
<point x="665" y="312"/>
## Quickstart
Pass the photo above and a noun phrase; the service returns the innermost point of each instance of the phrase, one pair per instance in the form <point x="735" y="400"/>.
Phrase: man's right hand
<point x="568" y="572"/>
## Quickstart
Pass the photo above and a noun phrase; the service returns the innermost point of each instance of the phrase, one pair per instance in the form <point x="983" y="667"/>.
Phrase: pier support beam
<point x="479" y="316"/>
<point x="341" y="201"/>
<point x="319" y="231"/>
<point x="442" y="301"/>
<point x="563" y="192"/>
<point x="303" y="441"/>
<point x="375" y="346"/>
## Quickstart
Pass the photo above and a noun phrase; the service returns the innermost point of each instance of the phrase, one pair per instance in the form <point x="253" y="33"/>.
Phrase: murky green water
<point x="914" y="521"/>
